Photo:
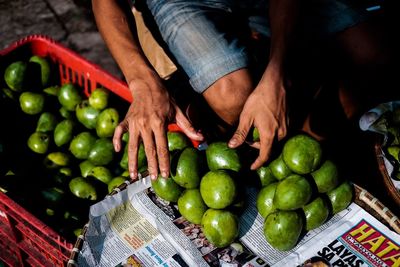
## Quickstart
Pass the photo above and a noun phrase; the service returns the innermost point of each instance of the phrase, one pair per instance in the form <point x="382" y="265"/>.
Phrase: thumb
<point x="186" y="126"/>
<point x="240" y="135"/>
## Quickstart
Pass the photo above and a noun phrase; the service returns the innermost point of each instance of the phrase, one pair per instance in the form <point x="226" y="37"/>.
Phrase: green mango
<point x="292" y="193"/>
<point x="57" y="159"/>
<point x="15" y="74"/>
<point x="82" y="188"/>
<point x="39" y="142"/>
<point x="102" y="152"/>
<point x="265" y="200"/>
<point x="218" y="189"/>
<point x="282" y="229"/>
<point x="86" y="114"/>
<point x="47" y="122"/>
<point x="316" y="213"/>
<point x="220" y="156"/>
<point x="166" y="189"/>
<point x="98" y="99"/>
<point x="101" y="173"/>
<point x="302" y="154"/>
<point x="52" y="90"/>
<point x="221" y="227"/>
<point x="82" y="144"/>
<point x="85" y="167"/>
<point x="279" y="168"/>
<point x="189" y="168"/>
<point x="256" y="135"/>
<point x="326" y="177"/>
<point x="106" y="123"/>
<point x="341" y="197"/>
<point x="44" y="66"/>
<point x="265" y="175"/>
<point x="192" y="206"/>
<point x="115" y="182"/>
<point x="31" y="103"/>
<point x="177" y="141"/>
<point x="63" y="132"/>
<point x="69" y="96"/>
<point x="65" y="113"/>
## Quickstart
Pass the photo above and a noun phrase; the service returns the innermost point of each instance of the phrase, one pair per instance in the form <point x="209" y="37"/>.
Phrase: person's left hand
<point x="264" y="109"/>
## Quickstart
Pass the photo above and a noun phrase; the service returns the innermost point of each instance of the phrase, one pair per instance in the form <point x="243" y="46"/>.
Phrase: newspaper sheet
<point x="136" y="228"/>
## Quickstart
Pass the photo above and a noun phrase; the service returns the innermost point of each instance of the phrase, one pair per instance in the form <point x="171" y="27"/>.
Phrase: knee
<point x="228" y="95"/>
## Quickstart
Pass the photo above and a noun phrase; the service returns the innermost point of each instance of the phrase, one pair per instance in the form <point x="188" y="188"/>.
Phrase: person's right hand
<point x="147" y="119"/>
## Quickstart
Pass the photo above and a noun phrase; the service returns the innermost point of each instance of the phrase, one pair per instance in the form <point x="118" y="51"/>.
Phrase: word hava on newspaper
<point x="362" y="245"/>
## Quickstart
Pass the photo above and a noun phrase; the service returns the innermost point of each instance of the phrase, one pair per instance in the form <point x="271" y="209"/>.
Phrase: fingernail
<point x="152" y="177"/>
<point x="132" y="175"/>
<point x="164" y="174"/>
<point x="233" y="142"/>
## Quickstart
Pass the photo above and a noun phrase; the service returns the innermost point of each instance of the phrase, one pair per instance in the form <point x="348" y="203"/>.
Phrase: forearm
<point x="121" y="40"/>
<point x="283" y="17"/>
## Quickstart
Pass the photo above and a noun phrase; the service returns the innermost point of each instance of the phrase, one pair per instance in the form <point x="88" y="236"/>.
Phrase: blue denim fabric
<point x="196" y="31"/>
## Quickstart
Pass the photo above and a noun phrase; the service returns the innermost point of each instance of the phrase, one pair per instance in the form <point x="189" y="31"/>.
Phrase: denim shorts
<point x="205" y="37"/>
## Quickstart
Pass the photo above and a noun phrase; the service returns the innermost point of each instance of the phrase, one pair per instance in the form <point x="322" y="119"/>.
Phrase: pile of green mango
<point x="57" y="146"/>
<point x="205" y="187"/>
<point x="300" y="190"/>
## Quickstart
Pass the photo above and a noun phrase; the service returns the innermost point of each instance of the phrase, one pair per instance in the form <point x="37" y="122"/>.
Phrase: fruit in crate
<point x="86" y="114"/>
<point x="98" y="99"/>
<point x="14" y="75"/>
<point x="69" y="96"/>
<point x="31" y="103"/>
<point x="106" y="123"/>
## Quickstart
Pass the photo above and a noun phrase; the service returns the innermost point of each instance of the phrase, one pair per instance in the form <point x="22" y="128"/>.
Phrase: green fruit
<point x="86" y="114"/>
<point x="125" y="137"/>
<point x="69" y="96"/>
<point x="220" y="156"/>
<point x="316" y="213"/>
<point x="177" y="141"/>
<point x="302" y="154"/>
<point x="142" y="161"/>
<point x="189" y="168"/>
<point x="82" y="188"/>
<point x="47" y="122"/>
<point x="14" y="75"/>
<point x="62" y="176"/>
<point x="166" y="189"/>
<point x="192" y="206"/>
<point x="220" y="227"/>
<point x="115" y="182"/>
<point x="292" y="193"/>
<point x="57" y="159"/>
<point x="394" y="151"/>
<point x="99" y="98"/>
<point x="265" y="200"/>
<point x="44" y="68"/>
<point x="85" y="167"/>
<point x="82" y="144"/>
<point x="39" y="142"/>
<point x="279" y="169"/>
<point x="31" y="103"/>
<point x="265" y="175"/>
<point x="65" y="113"/>
<point x="63" y="132"/>
<point x="326" y="177"/>
<point x="53" y="195"/>
<point x="282" y="229"/>
<point x="218" y="189"/>
<point x="102" y="152"/>
<point x="256" y="135"/>
<point x="52" y="90"/>
<point x="341" y="197"/>
<point x="107" y="121"/>
<point x="101" y="173"/>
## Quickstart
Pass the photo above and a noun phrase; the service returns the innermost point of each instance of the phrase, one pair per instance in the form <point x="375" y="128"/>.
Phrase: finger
<point x="265" y="148"/>
<point x="282" y="131"/>
<point x="151" y="153"/>
<point x="241" y="132"/>
<point x="133" y="146"/>
<point x="186" y="126"/>
<point x="119" y="131"/>
<point x="162" y="151"/>
<point x="254" y="144"/>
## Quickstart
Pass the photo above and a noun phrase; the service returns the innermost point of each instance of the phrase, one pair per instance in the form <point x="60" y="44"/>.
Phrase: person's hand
<point x="147" y="118"/>
<point x="265" y="108"/>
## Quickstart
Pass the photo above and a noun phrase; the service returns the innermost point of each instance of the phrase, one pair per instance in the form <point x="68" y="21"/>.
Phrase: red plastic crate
<point x="24" y="239"/>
